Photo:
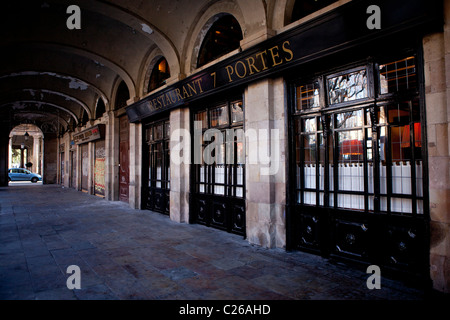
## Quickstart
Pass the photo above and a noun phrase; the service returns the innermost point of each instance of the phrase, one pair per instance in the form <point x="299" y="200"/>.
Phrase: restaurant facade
<point x="323" y="129"/>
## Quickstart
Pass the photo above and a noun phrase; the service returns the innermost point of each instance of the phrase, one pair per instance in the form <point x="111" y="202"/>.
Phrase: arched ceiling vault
<point x="46" y="63"/>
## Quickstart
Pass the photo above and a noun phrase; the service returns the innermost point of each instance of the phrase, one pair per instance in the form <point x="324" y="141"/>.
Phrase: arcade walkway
<point x="129" y="254"/>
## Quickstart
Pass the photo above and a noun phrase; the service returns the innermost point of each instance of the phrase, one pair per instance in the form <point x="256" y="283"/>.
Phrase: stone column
<point x="91" y="152"/>
<point x="135" y="165"/>
<point x="109" y="160"/>
<point x="112" y="158"/>
<point x="179" y="171"/>
<point x="265" y="182"/>
<point x="36" y="153"/>
<point x="437" y="93"/>
<point x="79" y="169"/>
<point x="50" y="158"/>
<point x="4" y="140"/>
<point x="10" y="153"/>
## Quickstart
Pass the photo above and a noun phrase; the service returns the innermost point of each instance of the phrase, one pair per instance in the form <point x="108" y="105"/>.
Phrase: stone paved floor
<point x="131" y="254"/>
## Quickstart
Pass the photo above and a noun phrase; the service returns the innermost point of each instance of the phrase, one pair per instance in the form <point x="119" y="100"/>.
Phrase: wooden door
<point x="99" y="168"/>
<point x="124" y="158"/>
<point x="62" y="168"/>
<point x="84" y="167"/>
<point x="73" y="174"/>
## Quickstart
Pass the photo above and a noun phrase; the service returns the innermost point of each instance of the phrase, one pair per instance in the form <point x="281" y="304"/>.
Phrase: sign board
<point x="342" y="28"/>
<point x="91" y="134"/>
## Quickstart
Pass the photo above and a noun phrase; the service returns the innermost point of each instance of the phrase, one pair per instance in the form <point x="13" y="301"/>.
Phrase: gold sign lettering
<point x="256" y="63"/>
<point x="275" y="56"/>
<point x="289" y="51"/>
<point x="176" y="95"/>
<point x="251" y="65"/>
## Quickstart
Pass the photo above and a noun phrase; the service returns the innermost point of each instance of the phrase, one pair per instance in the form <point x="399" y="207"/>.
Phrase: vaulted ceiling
<point x="51" y="74"/>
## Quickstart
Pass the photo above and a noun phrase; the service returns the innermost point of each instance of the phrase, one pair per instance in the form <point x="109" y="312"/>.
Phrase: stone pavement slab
<point x="127" y="254"/>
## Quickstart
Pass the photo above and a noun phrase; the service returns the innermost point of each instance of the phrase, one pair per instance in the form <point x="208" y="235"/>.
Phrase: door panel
<point x="219" y="215"/>
<point x="351" y="238"/>
<point x="84" y="167"/>
<point x="218" y="179"/>
<point x="73" y="166"/>
<point x="62" y="167"/>
<point x="157" y="151"/>
<point x="338" y="190"/>
<point x="124" y="159"/>
<point x="238" y="217"/>
<point x="124" y="174"/>
<point x="309" y="231"/>
<point x="99" y="168"/>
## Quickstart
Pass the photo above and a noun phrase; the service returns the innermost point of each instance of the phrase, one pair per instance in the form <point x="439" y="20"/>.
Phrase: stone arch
<point x="280" y="13"/>
<point x="120" y="95"/>
<point x="100" y="108"/>
<point x="31" y="142"/>
<point x="152" y="59"/>
<point x="251" y="15"/>
<point x="226" y="29"/>
<point x="204" y="21"/>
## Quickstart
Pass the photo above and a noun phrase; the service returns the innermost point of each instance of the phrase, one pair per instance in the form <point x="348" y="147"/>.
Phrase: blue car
<point x="19" y="174"/>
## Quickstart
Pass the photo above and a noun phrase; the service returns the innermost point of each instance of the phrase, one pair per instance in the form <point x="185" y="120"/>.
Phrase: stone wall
<point x="265" y="191"/>
<point x="437" y="88"/>
<point x="50" y="159"/>
<point x="179" y="172"/>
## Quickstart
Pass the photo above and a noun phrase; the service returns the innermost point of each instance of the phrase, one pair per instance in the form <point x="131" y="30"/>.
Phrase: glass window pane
<point x="308" y="96"/>
<point x="399" y="113"/>
<point x="351" y="119"/>
<point x="350" y="167"/>
<point x="240" y="153"/>
<point x="309" y="151"/>
<point x="381" y="115"/>
<point x="401" y="205"/>
<point x="159" y="163"/>
<point x="400" y="143"/>
<point x="239" y="192"/>
<point x="159" y="132"/>
<point x="202" y="117"/>
<point x="348" y="87"/>
<point x="167" y="130"/>
<point x="331" y="166"/>
<point x="237" y="112"/>
<point x="219" y="179"/>
<point x="382" y="153"/>
<point x="220" y="154"/>
<point x="309" y="125"/>
<point x="219" y="116"/>
<point x="351" y="201"/>
<point x="420" y="207"/>
<point x="240" y="175"/>
<point x="368" y="117"/>
<point x="321" y="155"/>
<point x="401" y="177"/>
<point x="398" y="76"/>
<point x="419" y="179"/>
<point x="149" y="134"/>
<point x="309" y="197"/>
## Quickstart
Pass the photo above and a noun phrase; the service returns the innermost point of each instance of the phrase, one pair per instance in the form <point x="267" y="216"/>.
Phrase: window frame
<point x="208" y="181"/>
<point x="370" y="107"/>
<point x="152" y="143"/>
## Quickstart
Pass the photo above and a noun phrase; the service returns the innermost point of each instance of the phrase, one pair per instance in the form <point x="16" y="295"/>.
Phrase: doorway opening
<point x="26" y="146"/>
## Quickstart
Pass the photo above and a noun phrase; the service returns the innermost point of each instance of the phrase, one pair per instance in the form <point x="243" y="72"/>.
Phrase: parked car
<point x="19" y="174"/>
